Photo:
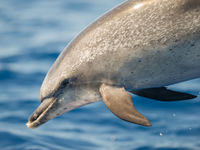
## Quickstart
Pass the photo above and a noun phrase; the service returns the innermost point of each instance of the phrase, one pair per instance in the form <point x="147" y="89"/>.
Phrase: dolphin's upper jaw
<point x="61" y="101"/>
<point x="50" y="108"/>
<point x="43" y="113"/>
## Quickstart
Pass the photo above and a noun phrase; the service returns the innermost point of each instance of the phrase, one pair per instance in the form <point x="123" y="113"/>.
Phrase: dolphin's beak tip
<point x="32" y="124"/>
<point x="29" y="125"/>
<point x="41" y="114"/>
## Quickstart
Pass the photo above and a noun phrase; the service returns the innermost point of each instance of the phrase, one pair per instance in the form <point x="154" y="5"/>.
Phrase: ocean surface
<point x="32" y="34"/>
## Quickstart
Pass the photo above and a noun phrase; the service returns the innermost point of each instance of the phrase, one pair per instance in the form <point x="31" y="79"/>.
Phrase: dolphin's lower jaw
<point x="42" y="114"/>
<point x="52" y="107"/>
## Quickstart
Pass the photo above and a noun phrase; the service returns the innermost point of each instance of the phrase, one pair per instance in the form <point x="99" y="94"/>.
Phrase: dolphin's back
<point x="140" y="44"/>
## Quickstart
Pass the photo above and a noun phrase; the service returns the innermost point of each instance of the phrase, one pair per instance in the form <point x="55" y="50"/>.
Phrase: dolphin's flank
<point x="139" y="47"/>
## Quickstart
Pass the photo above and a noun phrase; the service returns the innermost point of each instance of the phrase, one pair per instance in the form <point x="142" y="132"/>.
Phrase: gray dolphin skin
<point x="138" y="47"/>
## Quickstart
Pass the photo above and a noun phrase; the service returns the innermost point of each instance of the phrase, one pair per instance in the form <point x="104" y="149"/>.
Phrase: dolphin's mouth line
<point x="40" y="115"/>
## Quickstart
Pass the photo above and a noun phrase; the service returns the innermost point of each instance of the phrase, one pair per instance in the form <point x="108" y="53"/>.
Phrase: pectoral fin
<point x="163" y="94"/>
<point x="120" y="103"/>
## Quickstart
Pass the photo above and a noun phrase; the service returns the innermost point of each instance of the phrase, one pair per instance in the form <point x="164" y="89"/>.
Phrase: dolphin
<point x="139" y="47"/>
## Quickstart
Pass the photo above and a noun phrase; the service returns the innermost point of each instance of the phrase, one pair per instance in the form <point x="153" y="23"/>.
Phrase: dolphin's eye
<point x="65" y="83"/>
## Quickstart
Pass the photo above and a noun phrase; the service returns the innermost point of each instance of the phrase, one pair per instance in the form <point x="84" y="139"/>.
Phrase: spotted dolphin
<point x="139" y="47"/>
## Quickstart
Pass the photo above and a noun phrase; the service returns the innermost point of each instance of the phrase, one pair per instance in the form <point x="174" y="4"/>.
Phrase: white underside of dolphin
<point x="140" y="46"/>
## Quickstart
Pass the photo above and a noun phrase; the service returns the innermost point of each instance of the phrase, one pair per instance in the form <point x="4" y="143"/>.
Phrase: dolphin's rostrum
<point x="140" y="46"/>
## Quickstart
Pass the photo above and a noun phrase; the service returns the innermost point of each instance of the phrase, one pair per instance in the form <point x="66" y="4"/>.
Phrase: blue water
<point x="32" y="34"/>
